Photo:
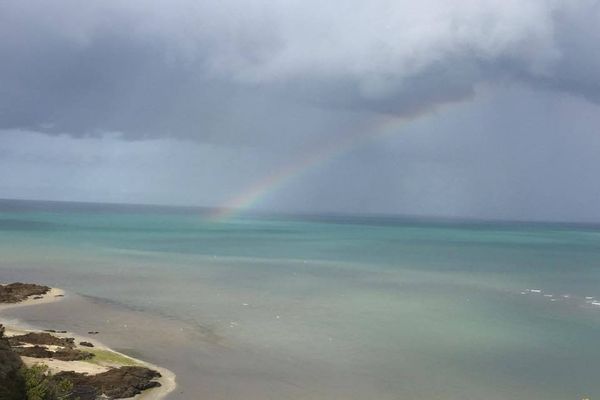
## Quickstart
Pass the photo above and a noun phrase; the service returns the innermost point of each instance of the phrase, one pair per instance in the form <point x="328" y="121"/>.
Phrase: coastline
<point x="54" y="295"/>
<point x="16" y="327"/>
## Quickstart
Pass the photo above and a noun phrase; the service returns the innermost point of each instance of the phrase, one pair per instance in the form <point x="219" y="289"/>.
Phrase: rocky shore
<point x="54" y="365"/>
<point x="18" y="292"/>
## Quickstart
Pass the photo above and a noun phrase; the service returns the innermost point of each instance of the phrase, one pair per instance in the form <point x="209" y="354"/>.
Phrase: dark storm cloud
<point x="259" y="71"/>
<point x="576" y="69"/>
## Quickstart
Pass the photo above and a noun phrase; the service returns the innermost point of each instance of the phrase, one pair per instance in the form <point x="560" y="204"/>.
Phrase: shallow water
<point x="321" y="307"/>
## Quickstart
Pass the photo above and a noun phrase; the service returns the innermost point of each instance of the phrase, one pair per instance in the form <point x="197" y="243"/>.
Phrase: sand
<point x="56" y="366"/>
<point x="52" y="296"/>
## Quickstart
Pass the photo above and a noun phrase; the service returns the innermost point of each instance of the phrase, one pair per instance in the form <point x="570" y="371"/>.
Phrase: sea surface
<point x="321" y="307"/>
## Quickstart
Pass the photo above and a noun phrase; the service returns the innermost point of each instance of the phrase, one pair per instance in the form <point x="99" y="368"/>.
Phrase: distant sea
<point x="324" y="307"/>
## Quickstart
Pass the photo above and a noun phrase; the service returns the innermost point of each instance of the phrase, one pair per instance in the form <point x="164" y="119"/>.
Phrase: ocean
<point x="321" y="307"/>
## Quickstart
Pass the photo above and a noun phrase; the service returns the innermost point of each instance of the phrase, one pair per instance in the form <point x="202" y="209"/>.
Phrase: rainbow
<point x="248" y="198"/>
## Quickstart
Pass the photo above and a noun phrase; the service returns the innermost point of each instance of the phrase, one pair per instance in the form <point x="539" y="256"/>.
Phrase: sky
<point x="484" y="109"/>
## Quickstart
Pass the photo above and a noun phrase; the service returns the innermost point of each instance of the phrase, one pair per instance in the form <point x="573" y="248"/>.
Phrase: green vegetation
<point x="39" y="384"/>
<point x="103" y="357"/>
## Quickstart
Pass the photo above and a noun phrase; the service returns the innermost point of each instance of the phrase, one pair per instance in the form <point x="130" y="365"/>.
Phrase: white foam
<point x="535" y="290"/>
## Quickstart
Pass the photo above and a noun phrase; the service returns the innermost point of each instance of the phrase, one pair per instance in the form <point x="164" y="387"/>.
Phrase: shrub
<point x="40" y="385"/>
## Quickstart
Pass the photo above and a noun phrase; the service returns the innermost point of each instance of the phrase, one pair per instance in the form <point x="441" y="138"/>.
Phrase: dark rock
<point x="93" y="333"/>
<point x="35" y="351"/>
<point x="38" y="297"/>
<point x="71" y="355"/>
<point x="59" y="295"/>
<point x="54" y="331"/>
<point x="17" y="292"/>
<point x="42" y="338"/>
<point x="85" y="392"/>
<point x="86" y="344"/>
<point x="116" y="383"/>
<point x="64" y="354"/>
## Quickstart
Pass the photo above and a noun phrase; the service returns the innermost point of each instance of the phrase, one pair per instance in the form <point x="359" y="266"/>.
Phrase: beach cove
<point x="91" y="368"/>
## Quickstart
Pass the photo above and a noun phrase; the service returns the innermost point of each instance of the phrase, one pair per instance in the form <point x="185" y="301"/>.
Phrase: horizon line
<point x="243" y="212"/>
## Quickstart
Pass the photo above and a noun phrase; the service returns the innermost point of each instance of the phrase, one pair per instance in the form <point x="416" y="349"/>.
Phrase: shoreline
<point x="54" y="295"/>
<point x="167" y="380"/>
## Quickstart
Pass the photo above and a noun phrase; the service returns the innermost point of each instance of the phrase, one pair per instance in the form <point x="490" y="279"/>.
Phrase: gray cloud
<point x="193" y="102"/>
<point x="231" y="72"/>
<point x="513" y="153"/>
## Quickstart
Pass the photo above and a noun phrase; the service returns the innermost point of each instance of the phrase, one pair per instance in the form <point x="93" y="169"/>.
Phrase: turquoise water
<point x="336" y="307"/>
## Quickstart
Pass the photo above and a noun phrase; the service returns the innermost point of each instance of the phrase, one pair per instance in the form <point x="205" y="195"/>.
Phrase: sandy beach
<point x="108" y="357"/>
<point x="52" y="296"/>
